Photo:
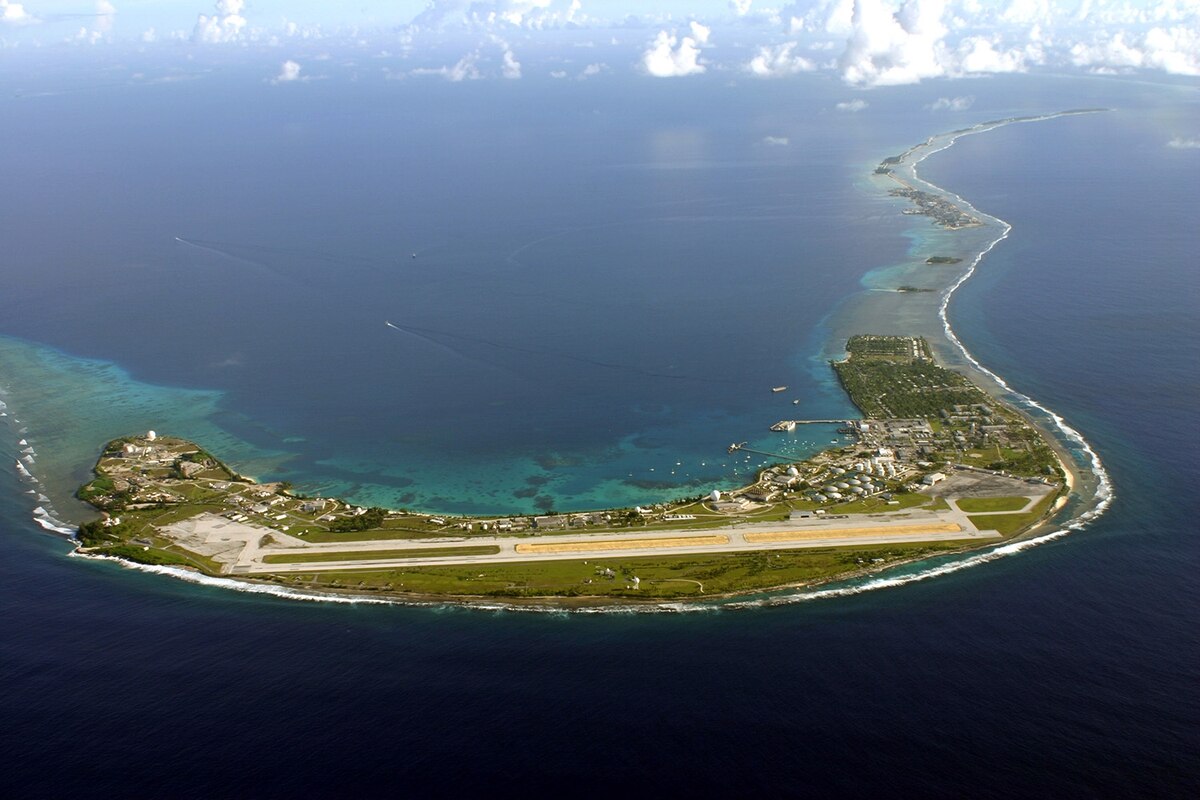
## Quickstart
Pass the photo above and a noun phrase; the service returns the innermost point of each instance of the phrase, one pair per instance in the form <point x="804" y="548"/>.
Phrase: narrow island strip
<point x="937" y="466"/>
<point x="943" y="461"/>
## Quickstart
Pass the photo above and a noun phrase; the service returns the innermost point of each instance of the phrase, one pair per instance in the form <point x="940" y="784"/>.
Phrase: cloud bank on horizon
<point x="867" y="43"/>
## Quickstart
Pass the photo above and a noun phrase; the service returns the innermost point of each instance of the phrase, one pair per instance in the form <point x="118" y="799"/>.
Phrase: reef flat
<point x="937" y="466"/>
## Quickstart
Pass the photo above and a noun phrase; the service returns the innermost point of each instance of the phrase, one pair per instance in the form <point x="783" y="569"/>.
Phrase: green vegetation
<point x="1009" y="524"/>
<point x="97" y="534"/>
<point x="877" y="505"/>
<point x="148" y="555"/>
<point x="320" y="535"/>
<point x="369" y="555"/>
<point x="942" y="260"/>
<point x="887" y="347"/>
<point x="978" y="504"/>
<point x="373" y="518"/>
<point x="888" y="389"/>
<point x="895" y="378"/>
<point x="660" y="578"/>
<point x="922" y="416"/>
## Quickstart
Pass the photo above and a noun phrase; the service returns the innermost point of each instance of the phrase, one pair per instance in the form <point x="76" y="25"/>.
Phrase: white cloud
<point x="558" y="73"/>
<point x="1180" y="143"/>
<point x="1174" y="49"/>
<point x="493" y="58"/>
<point x="776" y="141"/>
<point x="887" y="48"/>
<point x="15" y="14"/>
<point x="224" y="26"/>
<point x="777" y="61"/>
<point x="979" y="54"/>
<point x="952" y="103"/>
<point x="890" y="44"/>
<point x="700" y="32"/>
<point x="510" y="68"/>
<point x="591" y="70"/>
<point x="1110" y="52"/>
<point x="858" y="104"/>
<point x="741" y="7"/>
<point x="497" y="14"/>
<point x="288" y="72"/>
<point x="670" y="57"/>
<point x="105" y="11"/>
<point x="1027" y="12"/>
<point x="149" y="36"/>
<point x="465" y="69"/>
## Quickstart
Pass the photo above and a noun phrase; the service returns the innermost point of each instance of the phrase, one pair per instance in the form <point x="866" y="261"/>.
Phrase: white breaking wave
<point x="237" y="585"/>
<point x="1104" y="496"/>
<point x="286" y="593"/>
<point x="51" y="523"/>
<point x="889" y="582"/>
<point x="1104" y="491"/>
<point x="44" y="514"/>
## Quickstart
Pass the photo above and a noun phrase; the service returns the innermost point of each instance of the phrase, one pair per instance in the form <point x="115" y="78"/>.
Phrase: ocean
<point x="607" y="282"/>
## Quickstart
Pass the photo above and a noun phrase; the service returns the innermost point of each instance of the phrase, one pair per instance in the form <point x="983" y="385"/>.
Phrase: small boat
<point x="414" y="255"/>
<point x="779" y="389"/>
<point x="795" y="402"/>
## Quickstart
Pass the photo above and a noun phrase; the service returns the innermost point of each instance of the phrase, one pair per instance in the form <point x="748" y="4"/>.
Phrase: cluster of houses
<point x="942" y="211"/>
<point x="973" y="426"/>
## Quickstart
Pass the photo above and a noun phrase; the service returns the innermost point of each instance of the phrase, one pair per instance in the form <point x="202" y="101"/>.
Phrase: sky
<point x="865" y="43"/>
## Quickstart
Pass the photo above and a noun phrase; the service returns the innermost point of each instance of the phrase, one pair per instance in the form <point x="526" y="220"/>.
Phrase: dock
<point x="788" y="425"/>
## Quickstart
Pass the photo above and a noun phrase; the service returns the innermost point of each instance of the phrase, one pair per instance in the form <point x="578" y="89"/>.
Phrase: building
<point x="553" y="522"/>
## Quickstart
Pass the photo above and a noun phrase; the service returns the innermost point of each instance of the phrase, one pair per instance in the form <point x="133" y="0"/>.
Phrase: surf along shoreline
<point x="1087" y="478"/>
<point x="1088" y="486"/>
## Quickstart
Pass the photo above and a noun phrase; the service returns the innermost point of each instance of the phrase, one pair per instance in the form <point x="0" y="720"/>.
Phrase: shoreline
<point x="1055" y="432"/>
<point x="1045" y="419"/>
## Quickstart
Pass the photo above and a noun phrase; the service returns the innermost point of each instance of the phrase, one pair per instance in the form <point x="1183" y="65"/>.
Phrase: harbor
<point x="788" y="425"/>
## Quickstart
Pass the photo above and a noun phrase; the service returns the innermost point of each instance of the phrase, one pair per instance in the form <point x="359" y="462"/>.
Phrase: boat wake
<point x="428" y="335"/>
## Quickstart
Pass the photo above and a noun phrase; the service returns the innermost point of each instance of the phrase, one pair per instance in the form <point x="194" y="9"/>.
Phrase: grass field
<point x="371" y="555"/>
<point x="870" y="505"/>
<point x="661" y="578"/>
<point x="974" y="505"/>
<point x="1008" y="524"/>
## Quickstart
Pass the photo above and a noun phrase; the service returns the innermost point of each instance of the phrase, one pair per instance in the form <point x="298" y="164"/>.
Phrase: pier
<point x="790" y="424"/>
<point x="735" y="448"/>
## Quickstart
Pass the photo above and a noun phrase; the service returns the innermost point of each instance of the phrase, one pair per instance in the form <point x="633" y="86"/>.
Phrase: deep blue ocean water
<point x="1068" y="669"/>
